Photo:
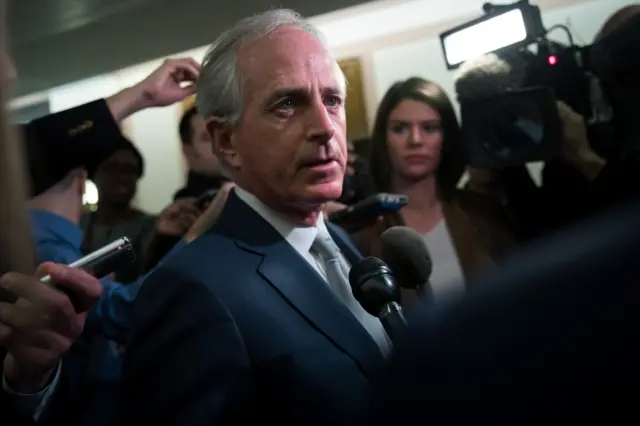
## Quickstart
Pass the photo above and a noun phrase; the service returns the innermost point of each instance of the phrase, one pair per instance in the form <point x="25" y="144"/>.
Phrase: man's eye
<point x="285" y="104"/>
<point x="333" y="101"/>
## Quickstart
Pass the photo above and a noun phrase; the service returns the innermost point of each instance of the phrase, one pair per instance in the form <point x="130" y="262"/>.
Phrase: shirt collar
<point x="299" y="237"/>
<point x="46" y="225"/>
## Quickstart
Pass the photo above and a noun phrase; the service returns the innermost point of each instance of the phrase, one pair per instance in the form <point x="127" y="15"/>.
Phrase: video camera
<point x="508" y="101"/>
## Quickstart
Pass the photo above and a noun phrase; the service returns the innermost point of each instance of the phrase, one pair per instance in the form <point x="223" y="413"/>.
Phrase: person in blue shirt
<point x="94" y="364"/>
<point x="89" y="373"/>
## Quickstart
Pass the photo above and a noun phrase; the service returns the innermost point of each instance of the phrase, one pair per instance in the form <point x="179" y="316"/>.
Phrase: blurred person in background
<point x="93" y="365"/>
<point x="565" y="196"/>
<point x="117" y="180"/>
<point x="89" y="375"/>
<point x="579" y="182"/>
<point x="29" y="357"/>
<point x="516" y="191"/>
<point x="205" y="176"/>
<point x="615" y="58"/>
<point x="566" y="176"/>
<point x="534" y="361"/>
<point x="205" y="172"/>
<point x="86" y="135"/>
<point x="16" y="247"/>
<point x="357" y="181"/>
<point x="416" y="150"/>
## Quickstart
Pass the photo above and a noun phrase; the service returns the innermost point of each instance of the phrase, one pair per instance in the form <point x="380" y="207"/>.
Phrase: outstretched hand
<point x="43" y="322"/>
<point x="173" y="81"/>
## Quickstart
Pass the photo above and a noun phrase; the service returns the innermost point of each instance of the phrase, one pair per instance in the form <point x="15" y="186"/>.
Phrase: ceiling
<point x="61" y="41"/>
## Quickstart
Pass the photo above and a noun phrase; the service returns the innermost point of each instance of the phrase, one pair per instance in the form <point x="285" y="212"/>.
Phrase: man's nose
<point x="320" y="124"/>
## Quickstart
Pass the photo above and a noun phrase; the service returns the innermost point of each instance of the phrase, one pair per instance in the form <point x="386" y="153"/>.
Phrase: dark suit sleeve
<point x="8" y="412"/>
<point x="186" y="363"/>
<point x="618" y="181"/>
<point x="58" y="408"/>
<point x="79" y="137"/>
<point x="157" y="249"/>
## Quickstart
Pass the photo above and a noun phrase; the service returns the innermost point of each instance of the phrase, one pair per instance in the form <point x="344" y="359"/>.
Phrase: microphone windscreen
<point x="363" y="268"/>
<point x="406" y="253"/>
<point x="489" y="75"/>
<point x="373" y="285"/>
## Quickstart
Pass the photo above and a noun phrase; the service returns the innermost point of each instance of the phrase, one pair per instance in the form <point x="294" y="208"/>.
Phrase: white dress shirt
<point x="447" y="278"/>
<point x="301" y="239"/>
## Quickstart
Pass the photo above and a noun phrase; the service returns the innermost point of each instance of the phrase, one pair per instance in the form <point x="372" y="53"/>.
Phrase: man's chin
<point x="323" y="193"/>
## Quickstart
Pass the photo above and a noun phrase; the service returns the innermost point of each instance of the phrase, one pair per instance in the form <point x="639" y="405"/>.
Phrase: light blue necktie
<point x="338" y="279"/>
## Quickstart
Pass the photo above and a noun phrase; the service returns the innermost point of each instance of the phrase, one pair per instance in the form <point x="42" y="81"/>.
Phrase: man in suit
<point x="255" y="320"/>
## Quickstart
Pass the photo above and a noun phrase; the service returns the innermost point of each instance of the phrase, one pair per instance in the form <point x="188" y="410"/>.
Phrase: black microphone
<point x="406" y="253"/>
<point x="375" y="288"/>
<point x="489" y="75"/>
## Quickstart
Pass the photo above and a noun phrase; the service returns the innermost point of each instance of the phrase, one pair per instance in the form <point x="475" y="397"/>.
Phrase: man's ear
<point x="223" y="139"/>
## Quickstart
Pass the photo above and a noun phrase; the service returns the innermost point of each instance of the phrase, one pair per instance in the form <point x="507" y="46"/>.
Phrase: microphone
<point x="406" y="253"/>
<point x="489" y="75"/>
<point x="375" y="288"/>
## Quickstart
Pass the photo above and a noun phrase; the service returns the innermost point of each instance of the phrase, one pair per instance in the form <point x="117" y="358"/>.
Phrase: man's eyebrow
<point x="334" y="90"/>
<point x="287" y="92"/>
<point x="300" y="92"/>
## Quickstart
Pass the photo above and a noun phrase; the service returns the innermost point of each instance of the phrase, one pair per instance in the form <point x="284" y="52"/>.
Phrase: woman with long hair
<point x="416" y="150"/>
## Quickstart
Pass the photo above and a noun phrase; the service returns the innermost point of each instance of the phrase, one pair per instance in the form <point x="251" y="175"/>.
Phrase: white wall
<point x="154" y="131"/>
<point x="424" y="57"/>
<point x="396" y="39"/>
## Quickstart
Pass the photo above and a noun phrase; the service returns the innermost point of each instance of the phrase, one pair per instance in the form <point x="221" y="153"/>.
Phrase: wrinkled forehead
<point x="288" y="58"/>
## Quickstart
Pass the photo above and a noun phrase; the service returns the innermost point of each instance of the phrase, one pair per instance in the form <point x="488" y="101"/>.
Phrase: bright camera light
<point x="485" y="37"/>
<point x="90" y="193"/>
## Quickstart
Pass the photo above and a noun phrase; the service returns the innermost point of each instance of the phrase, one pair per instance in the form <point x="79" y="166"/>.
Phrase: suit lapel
<point x="305" y="290"/>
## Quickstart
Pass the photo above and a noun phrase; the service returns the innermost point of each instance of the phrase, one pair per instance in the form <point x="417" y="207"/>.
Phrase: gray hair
<point x="220" y="92"/>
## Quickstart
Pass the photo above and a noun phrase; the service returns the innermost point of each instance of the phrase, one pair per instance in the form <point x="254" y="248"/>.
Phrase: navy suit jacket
<point x="238" y="327"/>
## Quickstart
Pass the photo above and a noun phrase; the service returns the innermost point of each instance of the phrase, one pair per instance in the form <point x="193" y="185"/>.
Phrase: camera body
<point x="517" y="122"/>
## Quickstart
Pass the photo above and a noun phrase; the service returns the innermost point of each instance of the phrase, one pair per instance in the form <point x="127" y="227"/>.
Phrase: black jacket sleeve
<point x="59" y="408"/>
<point x="79" y="137"/>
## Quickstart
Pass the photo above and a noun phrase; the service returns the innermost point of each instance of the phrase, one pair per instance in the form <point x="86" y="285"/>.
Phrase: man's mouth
<point x="319" y="162"/>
